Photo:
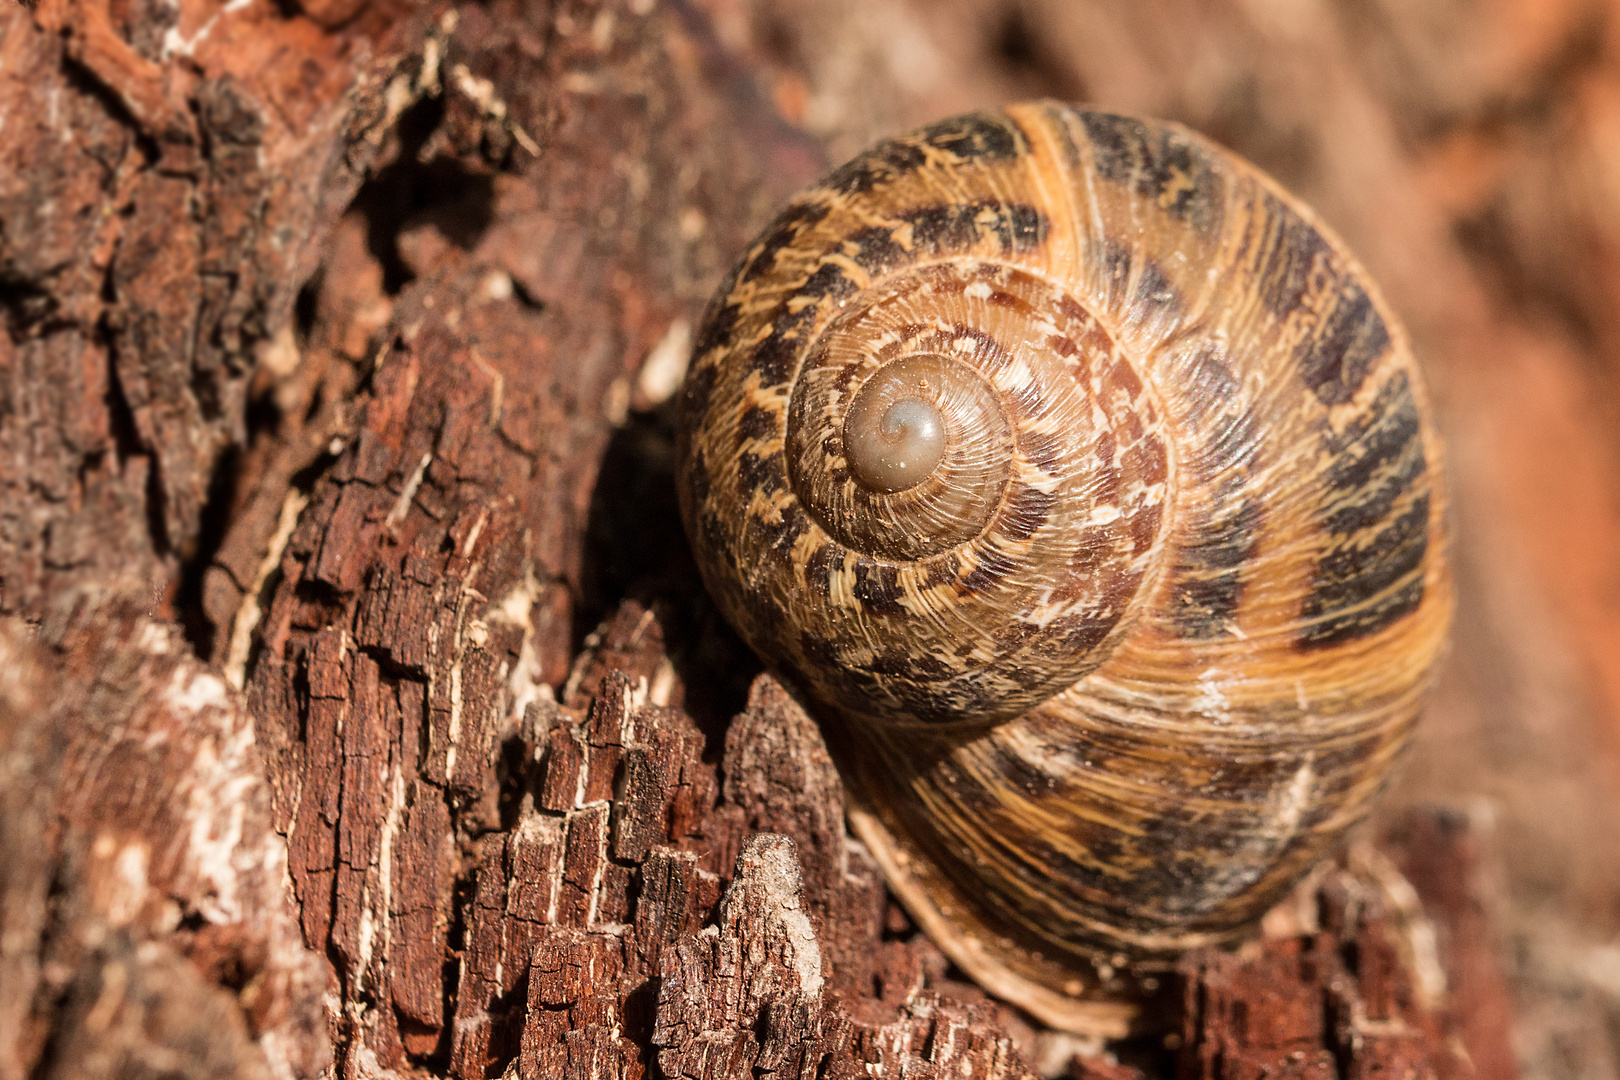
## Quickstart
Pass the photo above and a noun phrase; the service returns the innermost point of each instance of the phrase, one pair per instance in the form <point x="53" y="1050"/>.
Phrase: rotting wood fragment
<point x="320" y="360"/>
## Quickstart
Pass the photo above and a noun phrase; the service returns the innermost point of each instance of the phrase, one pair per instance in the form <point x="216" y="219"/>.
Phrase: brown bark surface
<point x="360" y="712"/>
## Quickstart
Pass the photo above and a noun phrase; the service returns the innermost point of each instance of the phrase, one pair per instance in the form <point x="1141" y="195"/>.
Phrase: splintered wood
<point x="339" y="343"/>
<point x="625" y="917"/>
<point x="655" y="932"/>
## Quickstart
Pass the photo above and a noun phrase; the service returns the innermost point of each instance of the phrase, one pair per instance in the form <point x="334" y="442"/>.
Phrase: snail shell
<point x="1085" y="484"/>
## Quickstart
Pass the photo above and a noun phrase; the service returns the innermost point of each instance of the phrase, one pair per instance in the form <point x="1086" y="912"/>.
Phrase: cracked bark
<point x="362" y="713"/>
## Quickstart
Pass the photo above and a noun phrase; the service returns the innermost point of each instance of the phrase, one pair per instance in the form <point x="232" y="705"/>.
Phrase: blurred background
<point x="196" y="319"/>
<point x="1469" y="152"/>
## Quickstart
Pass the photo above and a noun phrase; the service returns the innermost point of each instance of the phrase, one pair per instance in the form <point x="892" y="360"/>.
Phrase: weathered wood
<point x="169" y="182"/>
<point x="337" y="340"/>
<point x="145" y="917"/>
<point x="593" y="930"/>
<point x="424" y="606"/>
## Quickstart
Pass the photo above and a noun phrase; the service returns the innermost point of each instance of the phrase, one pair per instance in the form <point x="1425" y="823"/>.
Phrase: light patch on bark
<point x="454" y="732"/>
<point x="1418" y="942"/>
<point x="515" y="609"/>
<point x="130" y="863"/>
<point x="248" y="615"/>
<point x="413" y="482"/>
<point x="666" y="365"/>
<point x="772" y="867"/>
<point x="225" y="772"/>
<point x="481" y="92"/>
<point x="600" y="862"/>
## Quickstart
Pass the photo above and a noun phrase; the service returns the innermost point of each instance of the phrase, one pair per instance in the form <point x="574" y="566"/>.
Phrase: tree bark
<point x="362" y="711"/>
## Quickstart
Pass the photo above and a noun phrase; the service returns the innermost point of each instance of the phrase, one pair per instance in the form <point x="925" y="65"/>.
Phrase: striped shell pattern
<point x="1084" y="486"/>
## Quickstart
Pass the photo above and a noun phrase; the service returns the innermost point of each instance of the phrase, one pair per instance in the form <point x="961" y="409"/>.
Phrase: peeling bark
<point x="360" y="711"/>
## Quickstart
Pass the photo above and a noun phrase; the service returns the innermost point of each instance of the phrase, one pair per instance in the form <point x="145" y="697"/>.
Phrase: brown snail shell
<point x="1085" y="484"/>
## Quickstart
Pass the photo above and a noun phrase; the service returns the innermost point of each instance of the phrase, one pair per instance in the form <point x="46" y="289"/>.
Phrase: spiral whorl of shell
<point x="1084" y="484"/>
